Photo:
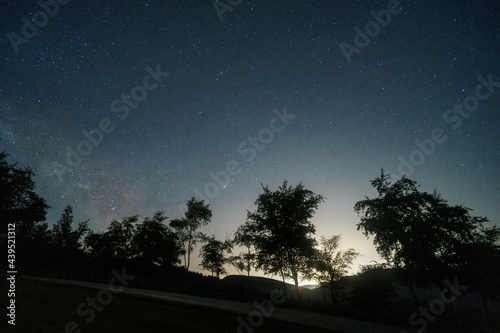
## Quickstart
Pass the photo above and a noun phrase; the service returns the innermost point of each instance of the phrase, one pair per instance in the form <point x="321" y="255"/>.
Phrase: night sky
<point x="171" y="96"/>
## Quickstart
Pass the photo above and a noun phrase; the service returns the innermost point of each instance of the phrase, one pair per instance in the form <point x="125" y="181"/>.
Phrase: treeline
<point x="278" y="239"/>
<point x="424" y="240"/>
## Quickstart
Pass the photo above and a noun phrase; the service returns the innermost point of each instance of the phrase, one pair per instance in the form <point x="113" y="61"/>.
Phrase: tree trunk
<point x="295" y="276"/>
<point x="248" y="276"/>
<point x="297" y="290"/>
<point x="186" y="265"/>
<point x="486" y="310"/>
<point x="284" y="285"/>
<point x="412" y="290"/>
<point x="248" y="267"/>
<point x="332" y="292"/>
<point x="485" y="305"/>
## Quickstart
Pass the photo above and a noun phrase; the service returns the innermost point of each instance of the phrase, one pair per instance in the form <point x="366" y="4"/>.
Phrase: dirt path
<point x="244" y="309"/>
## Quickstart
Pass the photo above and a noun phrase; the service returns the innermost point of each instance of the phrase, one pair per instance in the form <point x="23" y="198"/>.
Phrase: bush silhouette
<point x="372" y="290"/>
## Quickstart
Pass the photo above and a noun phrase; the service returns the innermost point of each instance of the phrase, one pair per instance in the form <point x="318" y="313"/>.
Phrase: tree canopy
<point x="154" y="243"/>
<point x="332" y="264"/>
<point x="245" y="237"/>
<point x="18" y="201"/>
<point x="283" y="236"/>
<point x="213" y="255"/>
<point x="116" y="242"/>
<point x="418" y="233"/>
<point x="198" y="214"/>
<point x="63" y="234"/>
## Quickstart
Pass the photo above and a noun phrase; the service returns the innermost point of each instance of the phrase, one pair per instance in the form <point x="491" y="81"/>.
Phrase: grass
<point x="47" y="307"/>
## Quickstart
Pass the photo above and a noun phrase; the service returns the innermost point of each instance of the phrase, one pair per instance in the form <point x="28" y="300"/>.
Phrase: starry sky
<point x="129" y="107"/>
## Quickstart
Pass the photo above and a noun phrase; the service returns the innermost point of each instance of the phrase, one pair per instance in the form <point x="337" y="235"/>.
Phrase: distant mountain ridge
<point x="267" y="285"/>
<point x="258" y="282"/>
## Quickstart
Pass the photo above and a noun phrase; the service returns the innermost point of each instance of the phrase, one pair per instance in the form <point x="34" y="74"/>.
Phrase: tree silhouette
<point x="66" y="245"/>
<point x="332" y="264"/>
<point x="372" y="288"/>
<point x="116" y="243"/>
<point x="418" y="233"/>
<point x="63" y="234"/>
<point x="120" y="236"/>
<point x="212" y="255"/>
<point x="245" y="236"/>
<point x="197" y="215"/>
<point x="97" y="245"/>
<point x="21" y="207"/>
<point x="19" y="203"/>
<point x="154" y="243"/>
<point x="480" y="266"/>
<point x="284" y="235"/>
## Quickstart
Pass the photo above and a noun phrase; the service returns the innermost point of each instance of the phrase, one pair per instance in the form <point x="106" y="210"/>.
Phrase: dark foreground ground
<point x="61" y="306"/>
<point x="43" y="306"/>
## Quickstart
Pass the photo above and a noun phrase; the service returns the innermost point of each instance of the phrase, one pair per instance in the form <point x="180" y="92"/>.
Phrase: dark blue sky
<point x="217" y="98"/>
